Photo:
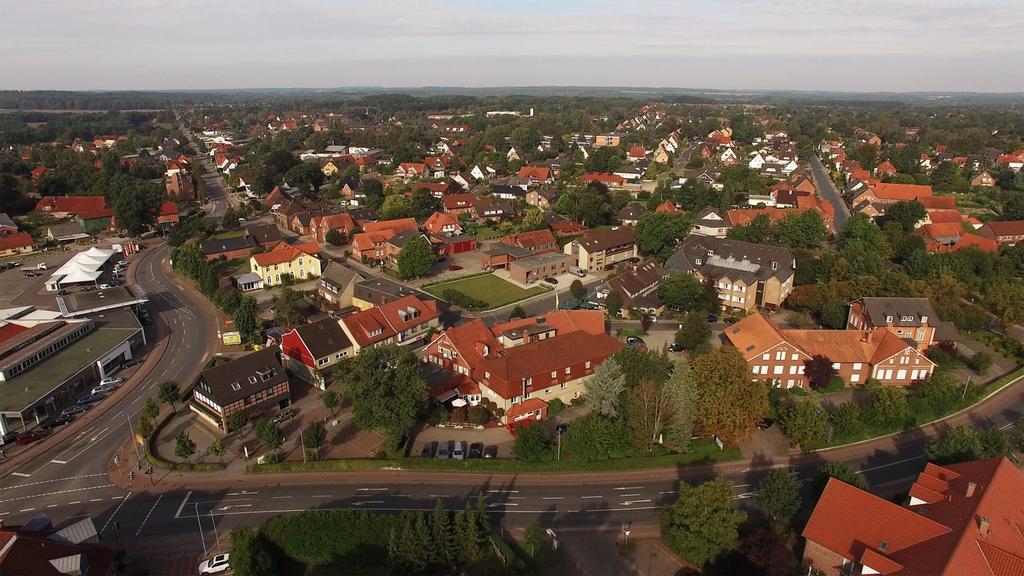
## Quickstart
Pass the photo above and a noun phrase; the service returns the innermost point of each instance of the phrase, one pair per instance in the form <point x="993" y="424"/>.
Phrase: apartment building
<point x="603" y="249"/>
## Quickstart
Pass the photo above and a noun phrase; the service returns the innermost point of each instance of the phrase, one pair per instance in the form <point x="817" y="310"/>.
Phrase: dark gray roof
<point x="721" y="257"/>
<point x="222" y="245"/>
<point x="402" y="238"/>
<point x="6" y="222"/>
<point x="249" y="374"/>
<point x="323" y="338"/>
<point x="597" y="240"/>
<point x="904" y="311"/>
<point x="632" y="211"/>
<point x="514" y="191"/>
<point x="339" y="275"/>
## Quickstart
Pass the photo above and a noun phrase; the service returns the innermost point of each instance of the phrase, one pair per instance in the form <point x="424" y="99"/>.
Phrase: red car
<point x="454" y="268"/>
<point x="30" y="437"/>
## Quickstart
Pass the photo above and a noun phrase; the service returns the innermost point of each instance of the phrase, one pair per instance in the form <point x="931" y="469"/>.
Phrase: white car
<point x="106" y="389"/>
<point x="104" y="286"/>
<point x="215" y="565"/>
<point x="111" y="381"/>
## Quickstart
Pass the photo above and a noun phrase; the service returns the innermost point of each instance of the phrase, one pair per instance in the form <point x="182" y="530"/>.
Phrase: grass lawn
<point x="226" y="234"/>
<point x="488" y="288"/>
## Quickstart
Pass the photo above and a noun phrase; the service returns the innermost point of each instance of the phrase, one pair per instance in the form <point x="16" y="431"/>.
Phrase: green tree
<point x="331" y="400"/>
<point x="650" y="409"/>
<point x="532" y="443"/>
<point x="846" y="420"/>
<point x="386" y="390"/>
<point x="681" y="291"/>
<point x="144" y="427"/>
<point x="150" y="409"/>
<point x="237" y="420"/>
<point x="374" y="191"/>
<point x="247" y="322"/>
<point x="819" y="370"/>
<point x="778" y="496"/>
<point x="603" y="390"/>
<point x="534" y="538"/>
<point x="863" y="245"/>
<point x="657" y="233"/>
<point x="307" y="177"/>
<point x="217" y="450"/>
<point x="169" y="394"/>
<point x="683" y="399"/>
<point x="731" y="408"/>
<point x="838" y="470"/>
<point x="415" y="258"/>
<point x="577" y="290"/>
<point x="906" y="213"/>
<point x="268" y="434"/>
<point x="136" y="204"/>
<point x="703" y="523"/>
<point x="443" y="536"/>
<point x="805" y="424"/>
<point x="184" y="446"/>
<point x="516" y="312"/>
<point x="886" y="406"/>
<point x="335" y="237"/>
<point x="613" y="304"/>
<point x="694" y="334"/>
<point x="288" y="307"/>
<point x="250" y="554"/>
<point x="313" y="437"/>
<point x="396" y="206"/>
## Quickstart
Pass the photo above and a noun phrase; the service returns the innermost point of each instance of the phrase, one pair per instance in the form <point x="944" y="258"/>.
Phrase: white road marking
<point x="440" y="495"/>
<point x="95" y="499"/>
<point x="363" y="502"/>
<point x="628" y="488"/>
<point x="496" y="504"/>
<point x="553" y="498"/>
<point x="589" y="497"/>
<point x="321" y="496"/>
<point x="22" y="474"/>
<point x="373" y="489"/>
<point x="235" y="506"/>
<point x="183" y="502"/>
<point x="911" y="459"/>
<point x="504" y="491"/>
<point x="746" y="495"/>
<point x="116" y="510"/>
<point x="58" y="461"/>
<point x="51" y="505"/>
<point x="669" y="492"/>
<point x="628" y="495"/>
<point x="53" y="480"/>
<point x="75" y="502"/>
<point x="280" y="497"/>
<point x="631" y="502"/>
<point x="26" y="510"/>
<point x="55" y="493"/>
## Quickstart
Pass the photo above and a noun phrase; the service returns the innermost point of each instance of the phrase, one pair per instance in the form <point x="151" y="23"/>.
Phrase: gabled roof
<point x="285" y="253"/>
<point x="243" y="376"/>
<point x="396" y="225"/>
<point x="438" y="220"/>
<point x="323" y="338"/>
<point x="79" y="205"/>
<point x="530" y="239"/>
<point x="535" y="172"/>
<point x="892" y="191"/>
<point x="754" y="335"/>
<point x="339" y="275"/>
<point x="384" y="321"/>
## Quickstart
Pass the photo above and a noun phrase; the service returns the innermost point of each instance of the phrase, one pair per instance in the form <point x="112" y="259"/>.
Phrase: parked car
<point x="74" y="410"/>
<point x="476" y="450"/>
<point x="283" y="415"/>
<point x="56" y="421"/>
<point x="30" y="437"/>
<point x="8" y="438"/>
<point x="444" y="451"/>
<point x="551" y="280"/>
<point x="459" y="452"/>
<point x="675" y="347"/>
<point x="712" y="318"/>
<point x="104" y="286"/>
<point x="577" y="271"/>
<point x="636" y="342"/>
<point x="429" y="449"/>
<point x="41" y="266"/>
<point x="111" y="381"/>
<point x="102" y="390"/>
<point x="215" y="565"/>
<point x="130" y="363"/>
<point x="31" y="274"/>
<point x="454" y="268"/>
<point x="90" y="399"/>
<point x="491" y="452"/>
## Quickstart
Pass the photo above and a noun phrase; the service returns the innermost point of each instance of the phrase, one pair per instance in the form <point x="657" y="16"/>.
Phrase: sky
<point x="834" y="45"/>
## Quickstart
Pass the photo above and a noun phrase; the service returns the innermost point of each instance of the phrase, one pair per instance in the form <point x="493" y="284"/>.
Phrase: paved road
<point x="827" y="188"/>
<point x="220" y="198"/>
<point x="71" y="479"/>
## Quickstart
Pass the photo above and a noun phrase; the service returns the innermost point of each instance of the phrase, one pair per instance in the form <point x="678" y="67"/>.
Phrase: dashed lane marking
<point x="148" y="514"/>
<point x="53" y="480"/>
<point x="56" y="493"/>
<point x="183" y="502"/>
<point x="116" y="510"/>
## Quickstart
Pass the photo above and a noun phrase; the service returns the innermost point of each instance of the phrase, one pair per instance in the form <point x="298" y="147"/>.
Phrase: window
<point x="792" y="370"/>
<point x="856" y="366"/>
<point x="568" y="370"/>
<point x="587" y="365"/>
<point x="855" y="378"/>
<point x="920" y="334"/>
<point x="835" y="365"/>
<point x="778" y="370"/>
<point x="795" y="357"/>
<point x="487" y="374"/>
<point x="562" y="386"/>
<point x="901" y="374"/>
<point x="904" y="359"/>
<point x="765" y="356"/>
<point x="780" y="355"/>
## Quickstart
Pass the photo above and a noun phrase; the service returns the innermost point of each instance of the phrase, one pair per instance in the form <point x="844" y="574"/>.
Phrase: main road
<point x="827" y="188"/>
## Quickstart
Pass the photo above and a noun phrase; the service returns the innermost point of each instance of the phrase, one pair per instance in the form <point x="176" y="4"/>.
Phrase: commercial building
<point x="537" y="267"/>
<point x="254" y="384"/>
<point x="603" y="249"/>
<point x="908" y="318"/>
<point x="958" y="519"/>
<point x="745" y="275"/>
<point x="38" y="549"/>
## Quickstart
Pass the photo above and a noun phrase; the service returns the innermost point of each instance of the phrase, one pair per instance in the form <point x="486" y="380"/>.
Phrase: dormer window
<point x="697" y="261"/>
<point x="775" y="265"/>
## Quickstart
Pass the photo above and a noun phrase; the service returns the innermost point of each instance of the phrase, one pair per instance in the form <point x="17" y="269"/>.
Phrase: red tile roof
<point x="896" y="192"/>
<point x="666" y="206"/>
<point x="944" y="216"/>
<point x="602" y="177"/>
<point x="530" y="239"/>
<point x="16" y="240"/>
<point x="937" y="202"/>
<point x="285" y="253"/>
<point x="8" y="331"/>
<point x="385" y="321"/>
<point x="78" y="205"/>
<point x="535" y="172"/>
<point x="438" y="220"/>
<point x="394" y="226"/>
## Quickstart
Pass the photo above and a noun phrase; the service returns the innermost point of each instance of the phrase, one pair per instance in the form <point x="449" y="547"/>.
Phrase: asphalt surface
<point x="827" y="189"/>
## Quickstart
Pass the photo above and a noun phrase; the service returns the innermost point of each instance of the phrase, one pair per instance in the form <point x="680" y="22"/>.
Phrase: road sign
<point x="232" y="338"/>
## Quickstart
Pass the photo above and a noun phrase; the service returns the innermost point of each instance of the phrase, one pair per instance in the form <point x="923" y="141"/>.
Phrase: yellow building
<point x="300" y="261"/>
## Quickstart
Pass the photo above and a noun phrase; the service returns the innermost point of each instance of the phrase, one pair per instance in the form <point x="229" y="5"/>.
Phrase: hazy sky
<point x="862" y="45"/>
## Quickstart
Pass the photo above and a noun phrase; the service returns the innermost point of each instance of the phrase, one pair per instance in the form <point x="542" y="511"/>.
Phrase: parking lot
<point x="499" y="437"/>
<point x="26" y="285"/>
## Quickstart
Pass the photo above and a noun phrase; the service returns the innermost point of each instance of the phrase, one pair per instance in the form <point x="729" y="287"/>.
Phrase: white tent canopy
<point x="82" y="267"/>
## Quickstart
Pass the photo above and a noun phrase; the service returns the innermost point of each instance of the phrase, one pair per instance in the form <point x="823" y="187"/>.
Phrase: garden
<point x="482" y="292"/>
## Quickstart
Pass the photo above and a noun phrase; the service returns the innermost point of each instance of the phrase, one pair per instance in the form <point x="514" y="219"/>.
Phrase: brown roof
<point x="1006" y="228"/>
<point x="597" y="240"/>
<point x="220" y="382"/>
<point x="530" y="239"/>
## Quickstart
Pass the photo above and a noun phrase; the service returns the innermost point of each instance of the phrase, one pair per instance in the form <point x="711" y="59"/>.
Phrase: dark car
<point x="712" y="318"/>
<point x="130" y="363"/>
<point x="90" y="399"/>
<point x="454" y="268"/>
<point x="429" y="449"/>
<point x="444" y="451"/>
<point x="636" y="342"/>
<point x="765" y="424"/>
<point x="491" y="452"/>
<point x="74" y="410"/>
<point x="32" y="274"/>
<point x="675" y="347"/>
<point x="30" y="437"/>
<point x="8" y="438"/>
<point x="476" y="450"/>
<point x="551" y="280"/>
<point x="55" y="421"/>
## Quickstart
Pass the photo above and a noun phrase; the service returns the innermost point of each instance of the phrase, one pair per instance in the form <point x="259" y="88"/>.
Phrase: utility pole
<point x="966" y="384"/>
<point x="303" y="442"/>
<point x="131" y="430"/>
<point x="215" y="535"/>
<point x="203" y="537"/>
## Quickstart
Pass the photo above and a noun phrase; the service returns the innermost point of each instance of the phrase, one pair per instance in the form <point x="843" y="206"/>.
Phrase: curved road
<point x="70" y="480"/>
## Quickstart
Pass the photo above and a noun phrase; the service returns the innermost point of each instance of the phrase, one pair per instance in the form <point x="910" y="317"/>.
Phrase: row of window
<point x="48" y="351"/>
<point x="887" y="374"/>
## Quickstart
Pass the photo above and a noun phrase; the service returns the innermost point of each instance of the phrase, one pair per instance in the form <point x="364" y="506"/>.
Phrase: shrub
<point x="459" y="415"/>
<point x="478" y="415"/>
<point x="804" y="423"/>
<point x="555" y="406"/>
<point x="981" y="362"/>
<point x="847" y="420"/>
<point x="886" y="407"/>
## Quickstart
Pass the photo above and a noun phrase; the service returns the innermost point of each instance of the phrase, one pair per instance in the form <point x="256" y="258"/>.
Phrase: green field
<point x="488" y="288"/>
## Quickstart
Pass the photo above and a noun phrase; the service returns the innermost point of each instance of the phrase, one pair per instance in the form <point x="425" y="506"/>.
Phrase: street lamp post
<point x="626" y="530"/>
<point x="131" y="430"/>
<point x="216" y="543"/>
<point x="201" y="535"/>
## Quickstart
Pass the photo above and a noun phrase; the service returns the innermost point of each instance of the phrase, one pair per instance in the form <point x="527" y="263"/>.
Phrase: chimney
<point x="983" y="525"/>
<point x="971" y="487"/>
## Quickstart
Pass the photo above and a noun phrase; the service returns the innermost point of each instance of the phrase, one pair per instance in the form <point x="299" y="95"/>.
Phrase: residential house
<point x="7" y="226"/>
<point x="371" y="243"/>
<point x="635" y="153"/>
<point x="779" y="356"/>
<point x="532" y="175"/>
<point x="523" y="365"/>
<point x="885" y="170"/>
<point x="745" y="275"/>
<point x="609" y="180"/>
<point x="668" y="207"/>
<point x="321" y="224"/>
<point x="482" y="173"/>
<point x="459" y="204"/>
<point x="631" y="213"/>
<point x="447" y="236"/>
<point x="662" y="155"/>
<point x="15" y="243"/>
<point x="264" y="235"/>
<point x="1013" y="160"/>
<point x="253" y="384"/>
<point x="628" y="173"/>
<point x="534" y="241"/>
<point x="507" y="192"/>
<point x="247" y="282"/>
<point x="711" y="223"/>
<point x="312" y="350"/>
<point x="876" y="196"/>
<point x="512" y="155"/>
<point x="337" y="284"/>
<point x="638" y="288"/>
<point x="66" y="232"/>
<point x="91" y="212"/>
<point x="535" y="267"/>
<point x="518" y="246"/>
<point x="299" y="261"/>
<point x="952" y="237"/>
<point x="983" y="179"/>
<point x="603" y="249"/>
<point x="379" y="291"/>
<point x="958" y="519"/>
<point x="179" y="188"/>
<point x="1005" y="232"/>
<point x="908" y="318"/>
<point x="543" y="198"/>
<point x="609" y="139"/>
<point x="410" y="170"/>
<point x="402" y="322"/>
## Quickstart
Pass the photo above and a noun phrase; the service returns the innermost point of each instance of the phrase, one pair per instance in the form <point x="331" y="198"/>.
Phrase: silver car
<point x="459" y="453"/>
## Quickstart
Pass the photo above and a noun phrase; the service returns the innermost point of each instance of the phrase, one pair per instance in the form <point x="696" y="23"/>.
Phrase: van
<point x="577" y="271"/>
